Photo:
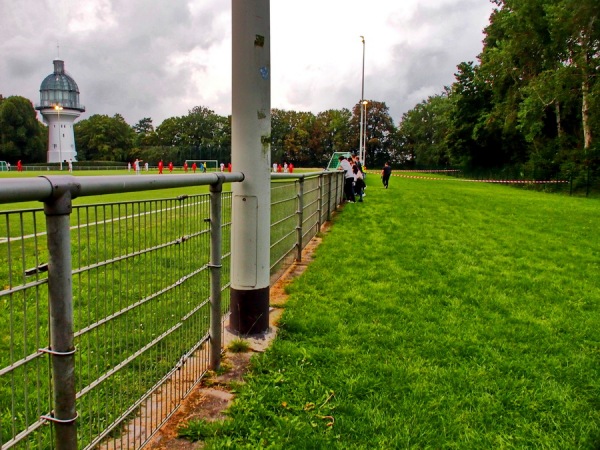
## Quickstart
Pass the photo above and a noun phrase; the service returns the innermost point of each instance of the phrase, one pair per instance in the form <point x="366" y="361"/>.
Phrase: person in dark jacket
<point x="385" y="174"/>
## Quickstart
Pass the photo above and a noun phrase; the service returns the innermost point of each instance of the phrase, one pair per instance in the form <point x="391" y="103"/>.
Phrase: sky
<point x="161" y="58"/>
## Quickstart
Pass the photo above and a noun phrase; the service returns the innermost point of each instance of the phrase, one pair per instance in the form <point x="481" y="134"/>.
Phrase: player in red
<point x="228" y="167"/>
<point x="194" y="167"/>
<point x="291" y="168"/>
<point x="160" y="166"/>
<point x="170" y="167"/>
<point x="19" y="166"/>
<point x="185" y="166"/>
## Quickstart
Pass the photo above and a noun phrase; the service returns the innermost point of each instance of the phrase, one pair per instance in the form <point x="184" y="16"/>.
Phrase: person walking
<point x="385" y="174"/>
<point x="348" y="179"/>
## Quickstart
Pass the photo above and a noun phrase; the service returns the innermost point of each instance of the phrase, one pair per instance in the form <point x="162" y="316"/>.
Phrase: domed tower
<point x="59" y="105"/>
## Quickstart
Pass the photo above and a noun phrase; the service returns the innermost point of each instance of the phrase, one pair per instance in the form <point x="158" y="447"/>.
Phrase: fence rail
<point x="113" y="312"/>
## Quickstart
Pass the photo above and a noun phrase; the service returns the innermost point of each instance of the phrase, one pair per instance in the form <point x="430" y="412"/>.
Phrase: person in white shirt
<point x="348" y="179"/>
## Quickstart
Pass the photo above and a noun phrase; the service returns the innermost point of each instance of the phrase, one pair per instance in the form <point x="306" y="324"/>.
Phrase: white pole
<point x="361" y="149"/>
<point x="251" y="155"/>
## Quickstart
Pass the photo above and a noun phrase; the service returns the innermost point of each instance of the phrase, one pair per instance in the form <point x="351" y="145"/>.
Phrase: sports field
<point x="437" y="314"/>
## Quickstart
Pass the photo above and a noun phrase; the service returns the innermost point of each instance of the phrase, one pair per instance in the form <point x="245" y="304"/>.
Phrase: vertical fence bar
<point x="320" y="204"/>
<point x="300" y="219"/>
<point x="329" y="190"/>
<point x="215" y="274"/>
<point x="60" y="296"/>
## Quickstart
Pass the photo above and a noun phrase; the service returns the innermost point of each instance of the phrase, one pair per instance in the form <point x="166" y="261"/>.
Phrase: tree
<point x="424" y="129"/>
<point x="104" y="138"/>
<point x="145" y="134"/>
<point x="381" y="132"/>
<point x="22" y="136"/>
<point x="331" y="133"/>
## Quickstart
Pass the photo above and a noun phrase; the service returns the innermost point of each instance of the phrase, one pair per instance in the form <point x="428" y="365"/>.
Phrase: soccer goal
<point x="334" y="162"/>
<point x="210" y="165"/>
<point x="3" y="166"/>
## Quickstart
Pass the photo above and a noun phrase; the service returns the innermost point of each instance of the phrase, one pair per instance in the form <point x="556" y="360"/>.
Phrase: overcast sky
<point x="160" y="58"/>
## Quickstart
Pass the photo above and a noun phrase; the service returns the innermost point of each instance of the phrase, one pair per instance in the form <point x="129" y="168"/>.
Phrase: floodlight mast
<point x="361" y="144"/>
<point x="251" y="155"/>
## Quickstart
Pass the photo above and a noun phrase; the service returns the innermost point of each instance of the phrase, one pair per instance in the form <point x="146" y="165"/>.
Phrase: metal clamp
<point x="52" y="352"/>
<point x="51" y="418"/>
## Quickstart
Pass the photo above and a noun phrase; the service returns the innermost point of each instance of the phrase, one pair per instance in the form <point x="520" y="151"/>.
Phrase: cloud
<point x="160" y="59"/>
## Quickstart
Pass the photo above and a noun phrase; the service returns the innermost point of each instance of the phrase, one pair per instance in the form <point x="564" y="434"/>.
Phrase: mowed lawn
<point x="436" y="314"/>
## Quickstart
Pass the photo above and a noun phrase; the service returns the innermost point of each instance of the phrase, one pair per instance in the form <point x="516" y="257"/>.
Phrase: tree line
<point x="528" y="108"/>
<point x="302" y="138"/>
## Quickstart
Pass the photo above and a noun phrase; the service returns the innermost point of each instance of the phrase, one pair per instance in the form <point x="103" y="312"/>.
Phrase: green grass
<point x="437" y="314"/>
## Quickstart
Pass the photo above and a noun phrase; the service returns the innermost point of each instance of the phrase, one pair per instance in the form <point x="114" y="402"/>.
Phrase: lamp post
<point x="361" y="149"/>
<point x="58" y="109"/>
<point x="363" y="157"/>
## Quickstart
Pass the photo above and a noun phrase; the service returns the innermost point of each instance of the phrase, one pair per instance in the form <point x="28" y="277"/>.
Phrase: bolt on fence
<point x="109" y="326"/>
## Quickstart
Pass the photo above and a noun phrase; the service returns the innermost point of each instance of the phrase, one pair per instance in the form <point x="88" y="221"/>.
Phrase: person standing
<point x="194" y="167"/>
<point x="19" y="166"/>
<point x="385" y="174"/>
<point x="170" y="166"/>
<point x="348" y="178"/>
<point x="222" y="167"/>
<point x="160" y="167"/>
<point x="185" y="166"/>
<point x="359" y="182"/>
<point x="70" y="165"/>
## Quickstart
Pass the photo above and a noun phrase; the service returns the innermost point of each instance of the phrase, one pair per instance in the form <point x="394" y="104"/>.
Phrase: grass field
<point x="437" y="314"/>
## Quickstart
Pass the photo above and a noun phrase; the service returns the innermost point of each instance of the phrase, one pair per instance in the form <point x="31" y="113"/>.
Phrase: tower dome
<point x="59" y="88"/>
<point x="59" y="105"/>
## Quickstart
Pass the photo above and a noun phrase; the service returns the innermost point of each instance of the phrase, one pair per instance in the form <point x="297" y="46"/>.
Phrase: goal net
<point x="334" y="162"/>
<point x="3" y="166"/>
<point x="210" y="165"/>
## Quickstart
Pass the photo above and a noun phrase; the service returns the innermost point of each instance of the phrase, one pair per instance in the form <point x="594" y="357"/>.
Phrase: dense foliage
<point x="22" y="136"/>
<point x="530" y="106"/>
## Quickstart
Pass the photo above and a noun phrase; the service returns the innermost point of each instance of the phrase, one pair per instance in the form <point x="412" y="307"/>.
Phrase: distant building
<point x="59" y="105"/>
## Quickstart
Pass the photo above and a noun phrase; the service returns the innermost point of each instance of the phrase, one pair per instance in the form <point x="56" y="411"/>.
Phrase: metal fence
<point x="108" y="309"/>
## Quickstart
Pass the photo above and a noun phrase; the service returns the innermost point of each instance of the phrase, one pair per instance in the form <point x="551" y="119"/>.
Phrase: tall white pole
<point x="361" y="149"/>
<point x="364" y="134"/>
<point x="251" y="154"/>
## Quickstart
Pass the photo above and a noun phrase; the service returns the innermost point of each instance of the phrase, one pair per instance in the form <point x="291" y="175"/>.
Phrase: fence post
<point x="329" y="190"/>
<point x="216" y="234"/>
<point x="320" y="204"/>
<point x="300" y="219"/>
<point x="60" y="299"/>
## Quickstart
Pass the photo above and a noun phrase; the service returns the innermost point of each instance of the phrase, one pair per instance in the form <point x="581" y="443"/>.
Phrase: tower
<point x="59" y="105"/>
